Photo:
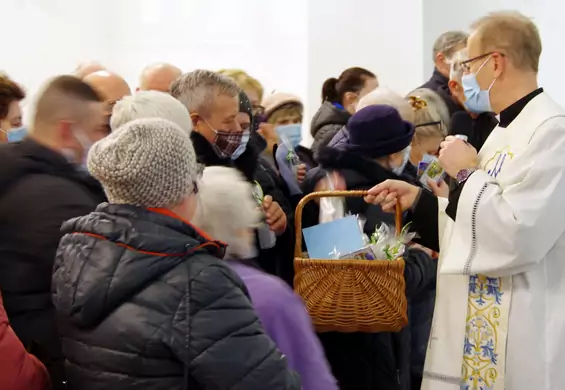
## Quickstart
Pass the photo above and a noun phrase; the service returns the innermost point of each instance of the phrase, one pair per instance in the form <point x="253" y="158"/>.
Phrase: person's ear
<point x="440" y="60"/>
<point x="195" y="118"/>
<point x="454" y="87"/>
<point x="499" y="64"/>
<point x="348" y="98"/>
<point x="65" y="133"/>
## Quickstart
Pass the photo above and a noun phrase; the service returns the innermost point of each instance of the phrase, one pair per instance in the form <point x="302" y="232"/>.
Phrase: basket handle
<point x="332" y="194"/>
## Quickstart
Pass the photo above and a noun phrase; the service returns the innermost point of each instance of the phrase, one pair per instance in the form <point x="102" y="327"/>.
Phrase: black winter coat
<point x="325" y="124"/>
<point x="369" y="361"/>
<point x="145" y="302"/>
<point x="279" y="259"/>
<point x="39" y="190"/>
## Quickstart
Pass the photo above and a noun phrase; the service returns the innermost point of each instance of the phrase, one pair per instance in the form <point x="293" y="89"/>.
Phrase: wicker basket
<point x="350" y="295"/>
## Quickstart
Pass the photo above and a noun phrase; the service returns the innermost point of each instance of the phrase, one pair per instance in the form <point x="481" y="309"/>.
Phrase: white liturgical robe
<point x="499" y="320"/>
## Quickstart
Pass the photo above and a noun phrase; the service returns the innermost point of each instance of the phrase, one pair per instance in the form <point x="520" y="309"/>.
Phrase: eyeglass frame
<point x="465" y="64"/>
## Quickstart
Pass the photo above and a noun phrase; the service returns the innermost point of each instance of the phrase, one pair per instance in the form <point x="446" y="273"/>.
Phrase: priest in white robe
<point x="499" y="320"/>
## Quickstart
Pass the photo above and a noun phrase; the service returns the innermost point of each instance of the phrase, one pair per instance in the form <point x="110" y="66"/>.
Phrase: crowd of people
<point x="147" y="237"/>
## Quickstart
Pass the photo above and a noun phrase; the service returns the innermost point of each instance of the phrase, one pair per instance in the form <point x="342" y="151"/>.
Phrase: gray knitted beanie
<point x="146" y="162"/>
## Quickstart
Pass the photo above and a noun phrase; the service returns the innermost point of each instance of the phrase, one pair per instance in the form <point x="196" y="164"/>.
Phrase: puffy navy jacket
<point x="145" y="302"/>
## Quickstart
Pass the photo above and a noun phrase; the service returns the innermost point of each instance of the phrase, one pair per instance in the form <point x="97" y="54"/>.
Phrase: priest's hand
<point x="456" y="155"/>
<point x="441" y="189"/>
<point x="389" y="192"/>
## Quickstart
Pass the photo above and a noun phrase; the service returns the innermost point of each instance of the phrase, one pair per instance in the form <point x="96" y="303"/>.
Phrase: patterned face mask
<point x="226" y="142"/>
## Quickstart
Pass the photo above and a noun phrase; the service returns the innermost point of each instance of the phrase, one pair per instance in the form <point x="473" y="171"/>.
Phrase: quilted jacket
<point x="325" y="124"/>
<point x="145" y="302"/>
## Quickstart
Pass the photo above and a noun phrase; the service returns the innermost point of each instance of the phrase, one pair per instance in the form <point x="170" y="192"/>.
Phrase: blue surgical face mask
<point x="477" y="100"/>
<point x="17" y="134"/>
<point x="291" y="132"/>
<point x="399" y="169"/>
<point x="242" y="146"/>
<point x="428" y="157"/>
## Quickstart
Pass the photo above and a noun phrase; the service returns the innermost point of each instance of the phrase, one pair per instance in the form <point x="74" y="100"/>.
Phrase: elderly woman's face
<point x="288" y="120"/>
<point x="425" y="145"/>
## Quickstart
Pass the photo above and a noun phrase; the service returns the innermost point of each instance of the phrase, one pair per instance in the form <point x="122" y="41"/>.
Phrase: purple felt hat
<point x="377" y="131"/>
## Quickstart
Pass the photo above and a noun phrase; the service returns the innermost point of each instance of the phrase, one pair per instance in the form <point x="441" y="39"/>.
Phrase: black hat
<point x="377" y="131"/>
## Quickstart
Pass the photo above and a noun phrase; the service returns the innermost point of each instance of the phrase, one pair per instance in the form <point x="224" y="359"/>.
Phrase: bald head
<point x="158" y="77"/>
<point x="86" y="68"/>
<point x="109" y="85"/>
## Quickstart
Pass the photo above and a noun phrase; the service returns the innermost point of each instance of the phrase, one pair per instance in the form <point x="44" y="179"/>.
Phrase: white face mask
<point x="406" y="156"/>
<point x="85" y="144"/>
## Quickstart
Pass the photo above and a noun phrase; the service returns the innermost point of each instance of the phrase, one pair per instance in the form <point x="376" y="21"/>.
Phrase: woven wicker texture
<point x="350" y="295"/>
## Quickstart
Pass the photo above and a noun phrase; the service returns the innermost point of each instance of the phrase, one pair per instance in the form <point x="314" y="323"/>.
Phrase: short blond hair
<point x="433" y="101"/>
<point x="427" y="120"/>
<point x="243" y="80"/>
<point x="514" y="35"/>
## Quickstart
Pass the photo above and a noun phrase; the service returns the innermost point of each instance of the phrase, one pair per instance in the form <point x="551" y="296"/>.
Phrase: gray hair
<point x="227" y="208"/>
<point x="447" y="42"/>
<point x="388" y="97"/>
<point x="456" y="71"/>
<point x="434" y="110"/>
<point x="197" y="89"/>
<point x="150" y="104"/>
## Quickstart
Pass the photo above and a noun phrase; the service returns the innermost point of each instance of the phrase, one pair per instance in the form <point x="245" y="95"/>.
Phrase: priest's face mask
<point x="481" y="72"/>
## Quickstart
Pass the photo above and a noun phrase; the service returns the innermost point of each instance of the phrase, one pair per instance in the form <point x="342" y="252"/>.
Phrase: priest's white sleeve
<point x="443" y="219"/>
<point x="507" y="226"/>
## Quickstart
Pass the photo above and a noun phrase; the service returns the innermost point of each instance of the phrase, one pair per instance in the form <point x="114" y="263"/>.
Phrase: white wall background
<point x="365" y="33"/>
<point x="267" y="38"/>
<point x="43" y="38"/>
<point x="290" y="45"/>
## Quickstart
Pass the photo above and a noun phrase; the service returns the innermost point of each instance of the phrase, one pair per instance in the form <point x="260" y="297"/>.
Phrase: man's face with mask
<point x="219" y="124"/>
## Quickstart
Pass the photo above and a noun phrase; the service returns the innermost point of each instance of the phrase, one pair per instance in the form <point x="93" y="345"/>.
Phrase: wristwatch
<point x="464" y="174"/>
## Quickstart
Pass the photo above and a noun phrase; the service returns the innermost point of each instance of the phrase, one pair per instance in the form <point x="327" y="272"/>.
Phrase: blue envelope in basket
<point x="333" y="239"/>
